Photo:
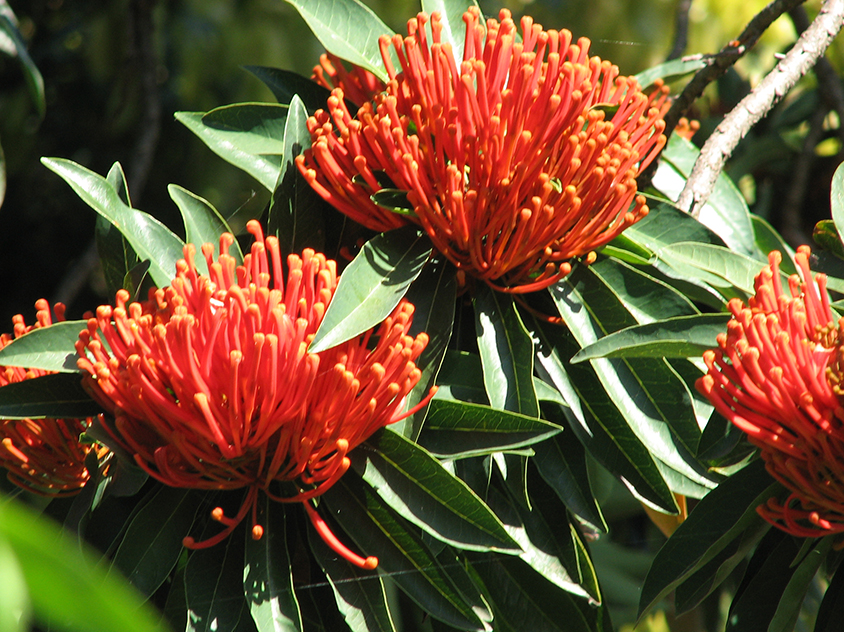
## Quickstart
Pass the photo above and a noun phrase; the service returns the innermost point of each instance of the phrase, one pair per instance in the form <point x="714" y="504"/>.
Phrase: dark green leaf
<point x="719" y="518"/>
<point x="506" y="352"/>
<point x="48" y="348"/>
<point x="58" y="395"/>
<point x="788" y="609"/>
<point x="359" y="594"/>
<point x="461" y="378"/>
<point x="768" y="239"/>
<point x="459" y="430"/>
<point x="267" y="573"/>
<point x="826" y="236"/>
<point x="421" y="490"/>
<point x="254" y="128"/>
<point x="58" y="572"/>
<point x="149" y="238"/>
<point x="402" y="554"/>
<point x="665" y="224"/>
<point x="720" y="267"/>
<point x="153" y="542"/>
<point x="726" y="212"/>
<point x="347" y="28"/>
<point x="829" y="613"/>
<point x="285" y="84"/>
<point x="203" y="224"/>
<point x="670" y="70"/>
<point x="434" y="296"/>
<point x="561" y="461"/>
<point x="116" y="258"/>
<point x="394" y="200"/>
<point x="226" y="143"/>
<point x="34" y="80"/>
<point x="296" y="210"/>
<point x="679" y="337"/>
<point x="372" y="285"/>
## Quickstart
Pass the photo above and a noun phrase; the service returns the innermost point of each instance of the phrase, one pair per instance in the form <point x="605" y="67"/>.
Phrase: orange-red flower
<point x="43" y="456"/>
<point x="777" y="375"/>
<point x="212" y="386"/>
<point x="358" y="84"/>
<point x="515" y="160"/>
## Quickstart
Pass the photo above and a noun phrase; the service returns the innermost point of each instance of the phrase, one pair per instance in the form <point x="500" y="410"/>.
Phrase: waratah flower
<point x="44" y="456"/>
<point x="777" y="375"/>
<point x="358" y="84"/>
<point x="211" y="384"/>
<point x="515" y="160"/>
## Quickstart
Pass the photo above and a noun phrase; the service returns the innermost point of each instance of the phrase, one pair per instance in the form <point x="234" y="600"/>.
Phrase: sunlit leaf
<point x="149" y="238"/>
<point x="372" y="285"/>
<point x="670" y="70"/>
<point x="49" y="348"/>
<point x="718" y="266"/>
<point x="836" y="199"/>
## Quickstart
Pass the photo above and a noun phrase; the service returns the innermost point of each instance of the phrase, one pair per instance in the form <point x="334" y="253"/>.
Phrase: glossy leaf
<point x="679" y="337"/>
<point x="402" y="554"/>
<point x="372" y="285"/>
<point x="726" y="212"/>
<point x="717" y="520"/>
<point x="718" y="266"/>
<point x="561" y="462"/>
<point x="57" y="572"/>
<point x="153" y="542"/>
<point x="836" y="199"/>
<point x="255" y="128"/>
<point x="347" y="28"/>
<point x="203" y="224"/>
<point x="788" y="609"/>
<point x="422" y="491"/>
<point x="602" y="428"/>
<point x="296" y="210"/>
<point x="461" y="378"/>
<point x="49" y="348"/>
<point x="226" y="143"/>
<point x="454" y="29"/>
<point x="768" y="239"/>
<point x="670" y="70"/>
<point x="149" y="238"/>
<point x="460" y="430"/>
<point x="267" y="573"/>
<point x="58" y="395"/>
<point x="506" y="352"/>
<point x="285" y="84"/>
<point x="665" y="224"/>
<point x="433" y="295"/>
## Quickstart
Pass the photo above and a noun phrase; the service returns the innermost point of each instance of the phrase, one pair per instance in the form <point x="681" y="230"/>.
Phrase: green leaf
<point x="825" y="235"/>
<point x="296" y="210"/>
<point x="254" y="128"/>
<point x="285" y="84"/>
<point x="601" y="428"/>
<point x="348" y="29"/>
<point x="434" y="297"/>
<point x="678" y="337"/>
<point x="267" y="573"/>
<point x="829" y="613"/>
<point x="48" y="348"/>
<point x="153" y="542"/>
<point x="461" y="378"/>
<point x="460" y="430"/>
<point x="214" y="586"/>
<point x="561" y="462"/>
<point x="203" y="224"/>
<point x="665" y="225"/>
<point x="451" y="16"/>
<point x="226" y="144"/>
<point x="58" y="395"/>
<point x="149" y="238"/>
<point x="421" y="490"/>
<point x="402" y="554"/>
<point x="670" y="70"/>
<point x="720" y="517"/>
<point x="506" y="353"/>
<point x="15" y="606"/>
<point x="58" y="573"/>
<point x="372" y="285"/>
<point x="34" y="80"/>
<point x="360" y="594"/>
<point x="720" y="267"/>
<point x="725" y="212"/>
<point x="394" y="200"/>
<point x="836" y="199"/>
<point x="768" y="239"/>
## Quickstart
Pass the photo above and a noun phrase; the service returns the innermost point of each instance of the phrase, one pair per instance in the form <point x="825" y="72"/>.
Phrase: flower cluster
<point x="515" y="160"/>
<point x="211" y="384"/>
<point x="44" y="456"/>
<point x="777" y="375"/>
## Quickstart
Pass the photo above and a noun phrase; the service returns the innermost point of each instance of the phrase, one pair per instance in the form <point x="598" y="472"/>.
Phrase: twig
<point x="681" y="29"/>
<point x="809" y="47"/>
<point x="718" y="65"/>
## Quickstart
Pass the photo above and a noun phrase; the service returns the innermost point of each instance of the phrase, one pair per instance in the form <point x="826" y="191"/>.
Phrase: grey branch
<point x="719" y="147"/>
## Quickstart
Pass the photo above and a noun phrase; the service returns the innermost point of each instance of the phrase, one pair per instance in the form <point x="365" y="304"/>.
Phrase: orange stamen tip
<point x="188" y="542"/>
<point x="217" y="514"/>
<point x="257" y="532"/>
<point x="371" y="563"/>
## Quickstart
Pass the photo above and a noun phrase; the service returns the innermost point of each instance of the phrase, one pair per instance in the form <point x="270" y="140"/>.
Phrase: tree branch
<point x="681" y="29"/>
<point x="804" y="54"/>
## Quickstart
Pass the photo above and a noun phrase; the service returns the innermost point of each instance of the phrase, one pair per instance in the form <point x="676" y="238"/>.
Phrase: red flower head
<point x="513" y="159"/>
<point x="358" y="85"/>
<point x="42" y="455"/>
<point x="777" y="375"/>
<point x="212" y="386"/>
